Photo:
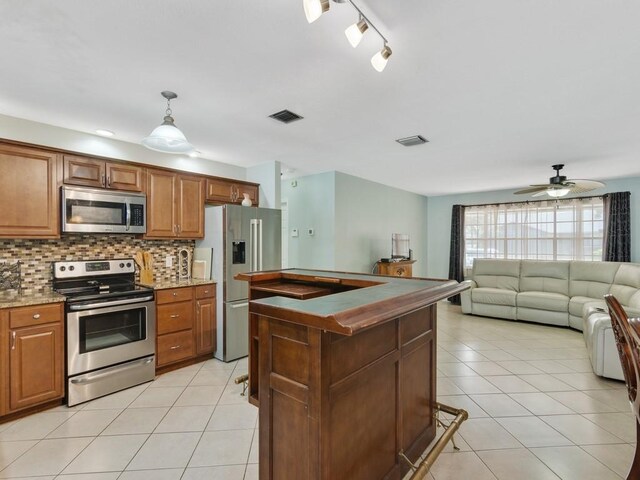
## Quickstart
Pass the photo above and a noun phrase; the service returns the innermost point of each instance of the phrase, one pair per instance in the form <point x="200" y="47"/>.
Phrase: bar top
<point x="369" y="300"/>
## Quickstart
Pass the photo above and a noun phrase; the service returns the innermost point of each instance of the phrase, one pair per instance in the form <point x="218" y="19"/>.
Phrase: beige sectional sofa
<point x="565" y="293"/>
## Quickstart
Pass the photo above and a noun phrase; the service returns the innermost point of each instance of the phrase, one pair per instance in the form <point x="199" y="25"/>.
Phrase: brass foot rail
<point x="244" y="380"/>
<point x="420" y="472"/>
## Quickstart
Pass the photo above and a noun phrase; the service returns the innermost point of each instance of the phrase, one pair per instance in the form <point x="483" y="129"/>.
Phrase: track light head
<point x="379" y="60"/>
<point x="355" y="32"/>
<point x="313" y="9"/>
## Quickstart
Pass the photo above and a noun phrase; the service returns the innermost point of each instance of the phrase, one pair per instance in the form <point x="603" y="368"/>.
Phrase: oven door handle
<point x="76" y="308"/>
<point x="94" y="377"/>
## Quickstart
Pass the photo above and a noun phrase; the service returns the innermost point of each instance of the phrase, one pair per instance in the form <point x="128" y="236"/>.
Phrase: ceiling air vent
<point x="411" y="141"/>
<point x="286" y="116"/>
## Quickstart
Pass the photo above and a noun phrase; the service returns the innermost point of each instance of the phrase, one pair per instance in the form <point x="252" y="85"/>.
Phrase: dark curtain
<point x="617" y="227"/>
<point x="456" y="252"/>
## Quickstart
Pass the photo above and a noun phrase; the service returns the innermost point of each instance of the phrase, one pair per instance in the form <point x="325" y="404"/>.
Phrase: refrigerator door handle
<point x="253" y="261"/>
<point x="260" y="244"/>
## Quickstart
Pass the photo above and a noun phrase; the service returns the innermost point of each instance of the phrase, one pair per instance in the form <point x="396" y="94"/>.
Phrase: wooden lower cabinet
<point x="34" y="362"/>
<point x="186" y="324"/>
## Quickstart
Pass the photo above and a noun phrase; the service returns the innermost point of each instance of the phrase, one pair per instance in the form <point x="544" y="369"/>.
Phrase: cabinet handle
<point x="13" y="340"/>
<point x="175" y="315"/>
<point x="179" y="229"/>
<point x="198" y="305"/>
<point x="175" y="347"/>
<point x="175" y="294"/>
<point x="36" y="316"/>
<point x="102" y="180"/>
<point x="108" y="181"/>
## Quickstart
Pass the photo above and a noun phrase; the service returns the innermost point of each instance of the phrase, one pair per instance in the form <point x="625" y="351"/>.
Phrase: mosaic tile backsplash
<point x="36" y="255"/>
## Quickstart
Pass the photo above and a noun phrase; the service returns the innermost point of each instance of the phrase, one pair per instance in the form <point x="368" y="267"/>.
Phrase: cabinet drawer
<point x="174" y="317"/>
<point x="174" y="295"/>
<point x="205" y="291"/>
<point x="35" y="315"/>
<point x="175" y="346"/>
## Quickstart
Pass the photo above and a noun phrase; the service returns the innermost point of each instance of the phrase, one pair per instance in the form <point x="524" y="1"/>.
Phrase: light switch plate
<point x="168" y="261"/>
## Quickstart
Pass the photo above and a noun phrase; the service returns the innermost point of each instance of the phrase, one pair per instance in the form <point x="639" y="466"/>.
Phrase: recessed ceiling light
<point x="105" y="133"/>
<point x="194" y="154"/>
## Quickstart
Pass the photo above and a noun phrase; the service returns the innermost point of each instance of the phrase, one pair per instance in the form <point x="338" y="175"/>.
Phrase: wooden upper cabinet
<point x="28" y="193"/>
<point x="161" y="211"/>
<point x="229" y="191"/>
<point x="190" y="207"/>
<point x="175" y="205"/>
<point x="91" y="172"/>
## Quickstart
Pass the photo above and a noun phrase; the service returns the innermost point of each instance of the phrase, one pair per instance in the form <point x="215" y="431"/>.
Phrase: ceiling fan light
<point x="313" y="9"/>
<point x="558" y="192"/>
<point x="379" y="60"/>
<point x="355" y="32"/>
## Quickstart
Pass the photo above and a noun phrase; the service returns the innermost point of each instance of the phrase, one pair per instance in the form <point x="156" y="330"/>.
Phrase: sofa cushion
<point x="501" y="274"/>
<point x="555" y="302"/>
<point x="591" y="279"/>
<point x="577" y="304"/>
<point x="541" y="276"/>
<point x="626" y="282"/>
<point x="495" y="296"/>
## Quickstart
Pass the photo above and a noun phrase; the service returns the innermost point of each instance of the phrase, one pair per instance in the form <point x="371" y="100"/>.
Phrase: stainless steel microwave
<point x="89" y="210"/>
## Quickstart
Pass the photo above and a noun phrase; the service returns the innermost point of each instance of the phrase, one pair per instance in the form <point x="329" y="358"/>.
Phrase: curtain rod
<point x="534" y="201"/>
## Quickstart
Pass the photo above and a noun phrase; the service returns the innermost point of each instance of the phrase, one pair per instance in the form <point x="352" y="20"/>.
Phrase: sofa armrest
<point x="465" y="296"/>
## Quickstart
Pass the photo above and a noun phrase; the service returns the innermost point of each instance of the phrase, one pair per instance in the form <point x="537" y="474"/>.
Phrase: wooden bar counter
<point x="343" y="369"/>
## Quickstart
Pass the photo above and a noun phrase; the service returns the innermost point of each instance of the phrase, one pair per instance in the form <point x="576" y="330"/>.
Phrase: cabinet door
<point x="124" y="177"/>
<point x="86" y="172"/>
<point x="35" y="365"/>
<point x="161" y="212"/>
<point x="191" y="207"/>
<point x="221" y="191"/>
<point x="205" y="326"/>
<point x="28" y="193"/>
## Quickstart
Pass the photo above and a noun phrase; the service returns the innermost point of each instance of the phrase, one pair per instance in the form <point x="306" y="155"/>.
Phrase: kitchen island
<point x="343" y="369"/>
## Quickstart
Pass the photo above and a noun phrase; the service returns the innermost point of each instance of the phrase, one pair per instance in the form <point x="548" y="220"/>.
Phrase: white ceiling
<point x="503" y="89"/>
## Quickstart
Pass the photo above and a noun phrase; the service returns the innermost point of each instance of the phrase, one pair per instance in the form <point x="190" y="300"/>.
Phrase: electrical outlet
<point x="310" y="231"/>
<point x="294" y="232"/>
<point x="168" y="261"/>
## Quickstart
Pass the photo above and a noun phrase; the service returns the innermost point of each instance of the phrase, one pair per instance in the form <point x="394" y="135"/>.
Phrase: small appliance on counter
<point x="110" y="327"/>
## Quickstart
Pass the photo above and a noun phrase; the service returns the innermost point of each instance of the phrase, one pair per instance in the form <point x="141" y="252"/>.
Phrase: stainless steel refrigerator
<point x="242" y="239"/>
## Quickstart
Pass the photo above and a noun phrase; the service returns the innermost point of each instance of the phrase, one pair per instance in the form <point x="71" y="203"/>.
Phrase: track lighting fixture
<point x="355" y="32"/>
<point x="166" y="137"/>
<point x="313" y="9"/>
<point x="379" y="60"/>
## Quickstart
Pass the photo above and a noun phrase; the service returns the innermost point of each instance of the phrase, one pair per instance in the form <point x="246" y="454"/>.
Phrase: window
<point x="570" y="229"/>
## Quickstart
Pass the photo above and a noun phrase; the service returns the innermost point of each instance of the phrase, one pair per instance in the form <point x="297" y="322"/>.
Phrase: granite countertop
<point x="175" y="283"/>
<point x="375" y="299"/>
<point x="11" y="300"/>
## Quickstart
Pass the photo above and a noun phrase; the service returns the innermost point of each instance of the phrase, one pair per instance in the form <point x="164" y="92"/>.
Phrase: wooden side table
<point x="396" y="269"/>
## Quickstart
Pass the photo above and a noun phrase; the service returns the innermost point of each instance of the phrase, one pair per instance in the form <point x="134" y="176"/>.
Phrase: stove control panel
<point x="92" y="268"/>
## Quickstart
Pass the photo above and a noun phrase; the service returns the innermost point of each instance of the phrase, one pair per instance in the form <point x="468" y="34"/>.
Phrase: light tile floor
<point x="536" y="413"/>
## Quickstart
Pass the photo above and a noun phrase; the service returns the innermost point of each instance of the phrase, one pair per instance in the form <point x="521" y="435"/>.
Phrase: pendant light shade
<point x="167" y="138"/>
<point x="313" y="9"/>
<point x="379" y="60"/>
<point x="355" y="32"/>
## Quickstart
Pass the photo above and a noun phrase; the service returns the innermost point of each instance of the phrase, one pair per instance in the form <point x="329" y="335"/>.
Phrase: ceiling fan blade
<point x="532" y="189"/>
<point x="582" y="186"/>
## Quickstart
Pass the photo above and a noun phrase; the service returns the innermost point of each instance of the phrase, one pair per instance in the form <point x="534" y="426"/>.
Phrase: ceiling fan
<point x="559" y="186"/>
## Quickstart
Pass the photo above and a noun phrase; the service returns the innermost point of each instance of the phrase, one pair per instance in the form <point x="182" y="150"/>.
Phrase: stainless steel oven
<point x="110" y="328"/>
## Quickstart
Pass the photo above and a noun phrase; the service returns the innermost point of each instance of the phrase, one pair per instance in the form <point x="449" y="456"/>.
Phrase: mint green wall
<point x="439" y="219"/>
<point x="311" y="204"/>
<point x="367" y="213"/>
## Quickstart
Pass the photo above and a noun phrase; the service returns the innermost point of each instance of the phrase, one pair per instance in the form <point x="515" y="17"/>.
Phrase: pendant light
<point x="167" y="138"/>
<point x="313" y="9"/>
<point x="379" y="60"/>
<point x="356" y="31"/>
